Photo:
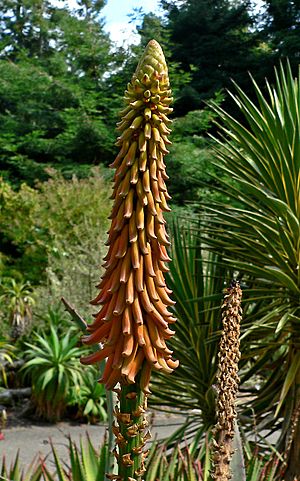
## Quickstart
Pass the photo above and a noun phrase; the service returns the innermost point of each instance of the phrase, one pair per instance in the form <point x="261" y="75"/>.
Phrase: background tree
<point x="54" y="105"/>
<point x="282" y="29"/>
<point x="218" y="39"/>
<point x="25" y="26"/>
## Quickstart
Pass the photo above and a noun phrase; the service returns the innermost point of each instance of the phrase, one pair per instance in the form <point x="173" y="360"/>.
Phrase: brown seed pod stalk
<point x="227" y="382"/>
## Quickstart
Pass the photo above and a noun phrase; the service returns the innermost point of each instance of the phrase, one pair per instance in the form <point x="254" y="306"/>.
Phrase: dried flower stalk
<point x="227" y="382"/>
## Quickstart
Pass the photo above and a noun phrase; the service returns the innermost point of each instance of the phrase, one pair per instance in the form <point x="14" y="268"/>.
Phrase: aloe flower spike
<point x="134" y="316"/>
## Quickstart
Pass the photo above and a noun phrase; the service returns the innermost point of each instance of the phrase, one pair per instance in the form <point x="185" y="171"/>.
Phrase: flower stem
<point x="129" y="432"/>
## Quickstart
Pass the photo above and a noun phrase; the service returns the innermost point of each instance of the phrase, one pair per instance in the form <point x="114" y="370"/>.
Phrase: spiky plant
<point x="197" y="280"/>
<point x="133" y="323"/>
<point x="258" y="234"/>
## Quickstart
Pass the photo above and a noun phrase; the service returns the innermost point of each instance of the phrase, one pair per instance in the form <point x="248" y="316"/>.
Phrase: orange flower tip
<point x="169" y="332"/>
<point x="172" y="364"/>
<point x="84" y="361"/>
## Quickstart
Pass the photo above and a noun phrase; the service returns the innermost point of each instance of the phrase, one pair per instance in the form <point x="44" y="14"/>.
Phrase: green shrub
<point x="89" y="397"/>
<point x="17" y="302"/>
<point x="53" y="368"/>
<point x="57" y="210"/>
<point x="54" y="236"/>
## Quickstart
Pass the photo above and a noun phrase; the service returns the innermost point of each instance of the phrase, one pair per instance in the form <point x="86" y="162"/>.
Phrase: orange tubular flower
<point x="133" y="323"/>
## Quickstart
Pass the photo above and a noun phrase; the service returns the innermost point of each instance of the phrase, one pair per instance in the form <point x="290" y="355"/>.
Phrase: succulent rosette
<point x="132" y="325"/>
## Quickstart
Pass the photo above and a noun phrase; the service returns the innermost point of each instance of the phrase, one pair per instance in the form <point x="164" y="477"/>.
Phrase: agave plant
<point x="87" y="463"/>
<point x="178" y="464"/>
<point x="15" y="473"/>
<point x="53" y="367"/>
<point x="258" y="234"/>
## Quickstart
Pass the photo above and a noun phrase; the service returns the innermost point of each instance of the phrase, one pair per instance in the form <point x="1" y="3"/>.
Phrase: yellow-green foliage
<point x="55" y="234"/>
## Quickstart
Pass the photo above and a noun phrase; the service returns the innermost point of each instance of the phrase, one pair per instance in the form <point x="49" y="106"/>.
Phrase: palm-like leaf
<point x="259" y="234"/>
<point x="197" y="281"/>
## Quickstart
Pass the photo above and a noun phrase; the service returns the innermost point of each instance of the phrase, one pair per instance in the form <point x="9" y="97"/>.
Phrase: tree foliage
<point x="54" y="102"/>
<point x="217" y="39"/>
<point x="56" y="232"/>
<point x="282" y="29"/>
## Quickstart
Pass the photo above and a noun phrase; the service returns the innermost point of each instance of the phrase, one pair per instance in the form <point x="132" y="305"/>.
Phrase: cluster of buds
<point x="133" y="322"/>
<point x="227" y="381"/>
<point x="131" y="434"/>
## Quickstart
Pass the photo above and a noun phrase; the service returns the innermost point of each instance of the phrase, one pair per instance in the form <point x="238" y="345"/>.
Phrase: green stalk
<point x="110" y="459"/>
<point x="130" y="433"/>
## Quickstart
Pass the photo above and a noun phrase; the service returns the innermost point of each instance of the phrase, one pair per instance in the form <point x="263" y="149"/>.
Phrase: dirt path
<point x="34" y="440"/>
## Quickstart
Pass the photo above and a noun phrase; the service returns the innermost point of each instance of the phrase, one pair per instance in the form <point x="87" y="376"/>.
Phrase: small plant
<point x="19" y="300"/>
<point x="89" y="396"/>
<point x="6" y="356"/>
<point x="86" y="463"/>
<point x="16" y="473"/>
<point x="179" y="465"/>
<point x="53" y="368"/>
